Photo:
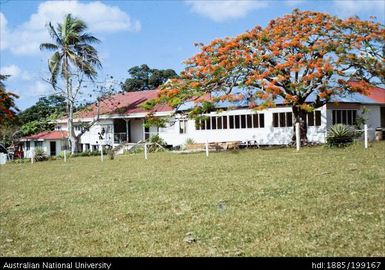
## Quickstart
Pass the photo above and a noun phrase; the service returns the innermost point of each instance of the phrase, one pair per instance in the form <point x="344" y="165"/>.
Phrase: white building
<point x="121" y="121"/>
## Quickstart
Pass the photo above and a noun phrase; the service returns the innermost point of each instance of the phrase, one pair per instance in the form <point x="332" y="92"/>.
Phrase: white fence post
<point x="32" y="156"/>
<point x="101" y="153"/>
<point x="366" y="135"/>
<point x="297" y="136"/>
<point x="65" y="155"/>
<point x="207" y="148"/>
<point x="145" y="151"/>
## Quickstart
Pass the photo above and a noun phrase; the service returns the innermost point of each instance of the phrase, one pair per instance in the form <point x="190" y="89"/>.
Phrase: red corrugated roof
<point x="375" y="93"/>
<point x="48" y="135"/>
<point x="125" y="103"/>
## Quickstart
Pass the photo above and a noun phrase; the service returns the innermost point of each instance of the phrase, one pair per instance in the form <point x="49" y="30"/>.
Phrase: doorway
<point x="52" y="147"/>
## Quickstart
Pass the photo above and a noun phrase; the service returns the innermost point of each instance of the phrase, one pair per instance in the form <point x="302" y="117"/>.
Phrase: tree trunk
<point x="70" y="113"/>
<point x="71" y="129"/>
<point x="299" y="117"/>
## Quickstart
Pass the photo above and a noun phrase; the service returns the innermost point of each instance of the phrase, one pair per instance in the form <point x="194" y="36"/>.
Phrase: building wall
<point x="268" y="135"/>
<point x="373" y="116"/>
<point x="91" y="137"/>
<point x="46" y="147"/>
<point x="370" y="113"/>
<point x="137" y="130"/>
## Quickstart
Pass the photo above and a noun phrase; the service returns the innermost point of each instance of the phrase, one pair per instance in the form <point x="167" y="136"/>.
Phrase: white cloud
<point x="38" y="89"/>
<point x="355" y="7"/>
<point x="100" y="18"/>
<point x="3" y="31"/>
<point x="222" y="10"/>
<point x="15" y="72"/>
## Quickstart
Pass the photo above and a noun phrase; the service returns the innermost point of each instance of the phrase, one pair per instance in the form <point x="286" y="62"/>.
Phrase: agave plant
<point x="340" y="135"/>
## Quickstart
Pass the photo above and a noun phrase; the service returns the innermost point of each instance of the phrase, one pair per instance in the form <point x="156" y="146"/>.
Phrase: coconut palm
<point x="73" y="55"/>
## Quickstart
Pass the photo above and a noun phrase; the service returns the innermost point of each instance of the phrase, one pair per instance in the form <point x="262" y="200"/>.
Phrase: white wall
<point x="373" y="116"/>
<point x="268" y="135"/>
<point x="92" y="137"/>
<point x="136" y="130"/>
<point x="46" y="147"/>
<point x="371" y="113"/>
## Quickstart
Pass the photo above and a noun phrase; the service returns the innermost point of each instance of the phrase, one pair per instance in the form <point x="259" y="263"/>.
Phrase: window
<point x="203" y="124"/>
<point x="261" y="120"/>
<point x="231" y="120"/>
<point x="314" y="118"/>
<point x="208" y="123"/>
<point x="236" y="120"/>
<point x="27" y="146"/>
<point x="255" y="121"/>
<point x="317" y="118"/>
<point x="310" y="119"/>
<point x="289" y="119"/>
<point x="275" y="119"/>
<point x="78" y="128"/>
<point x="183" y="126"/>
<point x="213" y="122"/>
<point x="283" y="119"/>
<point x="249" y="120"/>
<point x="220" y="122"/>
<point x="224" y="122"/>
<point x="243" y="121"/>
<point x="38" y="144"/>
<point x="346" y="117"/>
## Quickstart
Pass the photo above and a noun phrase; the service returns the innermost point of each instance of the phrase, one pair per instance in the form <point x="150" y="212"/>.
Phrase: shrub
<point x="110" y="153"/>
<point x="40" y="155"/>
<point x="340" y="135"/>
<point x="190" y="141"/>
<point x="157" y="144"/>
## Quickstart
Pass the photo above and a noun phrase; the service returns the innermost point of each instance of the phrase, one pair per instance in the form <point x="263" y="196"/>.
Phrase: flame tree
<point x="302" y="59"/>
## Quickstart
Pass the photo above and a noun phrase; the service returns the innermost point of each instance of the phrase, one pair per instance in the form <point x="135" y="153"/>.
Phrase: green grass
<point x="318" y="202"/>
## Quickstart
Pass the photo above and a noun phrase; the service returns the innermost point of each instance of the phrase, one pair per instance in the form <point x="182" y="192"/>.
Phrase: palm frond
<point x="87" y="38"/>
<point x="54" y="34"/>
<point x="54" y="67"/>
<point x="48" y="46"/>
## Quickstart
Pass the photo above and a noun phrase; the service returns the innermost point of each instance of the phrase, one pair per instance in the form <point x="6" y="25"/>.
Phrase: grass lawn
<point x="318" y="202"/>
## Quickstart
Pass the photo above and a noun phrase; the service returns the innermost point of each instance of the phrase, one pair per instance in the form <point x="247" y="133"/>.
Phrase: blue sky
<point x="157" y="33"/>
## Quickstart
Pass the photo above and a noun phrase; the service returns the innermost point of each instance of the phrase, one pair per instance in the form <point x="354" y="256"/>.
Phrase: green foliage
<point x="44" y="108"/>
<point x="157" y="144"/>
<point x="39" y="154"/>
<point x="152" y="121"/>
<point x="145" y="78"/>
<point x="8" y="108"/>
<point x="36" y="126"/>
<point x="88" y="153"/>
<point x="340" y="135"/>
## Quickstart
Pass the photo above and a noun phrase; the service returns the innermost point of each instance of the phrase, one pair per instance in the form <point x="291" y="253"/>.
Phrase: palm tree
<point x="73" y="56"/>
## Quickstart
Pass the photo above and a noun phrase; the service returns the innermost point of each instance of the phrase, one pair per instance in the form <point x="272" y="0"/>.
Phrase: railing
<point x="120" y="137"/>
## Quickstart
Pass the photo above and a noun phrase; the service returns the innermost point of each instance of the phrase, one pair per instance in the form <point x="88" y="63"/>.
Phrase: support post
<point x="65" y="155"/>
<point x="366" y="135"/>
<point x="145" y="151"/>
<point x="297" y="136"/>
<point x="101" y="153"/>
<point x="127" y="129"/>
<point x="207" y="148"/>
<point x="32" y="156"/>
